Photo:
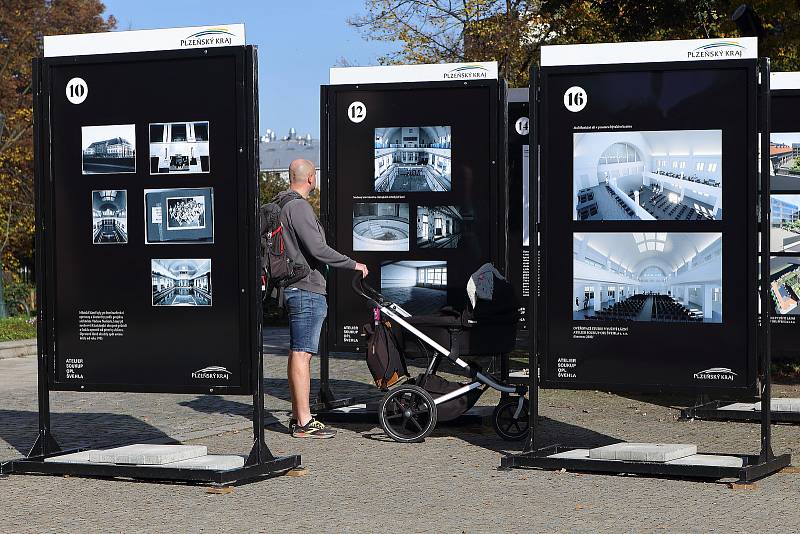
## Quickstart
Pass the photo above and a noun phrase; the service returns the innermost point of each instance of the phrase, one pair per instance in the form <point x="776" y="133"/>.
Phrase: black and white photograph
<point x="419" y="287"/>
<point x="183" y="215"/>
<point x="673" y="175"/>
<point x="179" y="147"/>
<point x="784" y="158"/>
<point x="439" y="226"/>
<point x="186" y="213"/>
<point x="108" y="149"/>
<point x="662" y="277"/>
<point x="785" y="284"/>
<point x="784" y="233"/>
<point x="380" y="226"/>
<point x="109" y="217"/>
<point x="412" y="159"/>
<point x="181" y="282"/>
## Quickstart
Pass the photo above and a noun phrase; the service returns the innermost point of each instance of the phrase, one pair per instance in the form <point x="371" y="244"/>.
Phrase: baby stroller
<point x="410" y="410"/>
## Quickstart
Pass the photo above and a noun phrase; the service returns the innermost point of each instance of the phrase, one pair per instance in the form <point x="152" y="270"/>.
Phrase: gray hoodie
<point x="305" y="242"/>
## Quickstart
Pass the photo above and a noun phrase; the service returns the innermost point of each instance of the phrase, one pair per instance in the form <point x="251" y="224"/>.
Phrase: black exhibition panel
<point x="701" y="108"/>
<point x="147" y="262"/>
<point x="518" y="171"/>
<point x="420" y="234"/>
<point x="785" y="235"/>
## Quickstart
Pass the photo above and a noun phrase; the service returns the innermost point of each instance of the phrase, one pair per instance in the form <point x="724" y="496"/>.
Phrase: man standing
<point x="305" y="300"/>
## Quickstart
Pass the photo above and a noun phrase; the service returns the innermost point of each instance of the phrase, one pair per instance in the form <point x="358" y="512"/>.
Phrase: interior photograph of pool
<point x="380" y="226"/>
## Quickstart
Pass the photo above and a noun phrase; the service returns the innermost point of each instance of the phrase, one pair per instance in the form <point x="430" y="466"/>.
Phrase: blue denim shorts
<point x="307" y="312"/>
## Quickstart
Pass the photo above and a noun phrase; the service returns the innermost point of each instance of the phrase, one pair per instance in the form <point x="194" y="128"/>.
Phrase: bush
<point x="15" y="328"/>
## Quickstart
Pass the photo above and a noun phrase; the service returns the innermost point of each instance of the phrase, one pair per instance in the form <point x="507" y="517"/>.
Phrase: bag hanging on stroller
<point x="384" y="354"/>
<point x="438" y="386"/>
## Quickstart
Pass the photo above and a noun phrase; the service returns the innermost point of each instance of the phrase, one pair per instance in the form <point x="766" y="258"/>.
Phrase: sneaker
<point x="312" y="429"/>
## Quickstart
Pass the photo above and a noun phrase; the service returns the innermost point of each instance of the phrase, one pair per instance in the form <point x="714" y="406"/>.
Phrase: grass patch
<point x="784" y="372"/>
<point x="15" y="328"/>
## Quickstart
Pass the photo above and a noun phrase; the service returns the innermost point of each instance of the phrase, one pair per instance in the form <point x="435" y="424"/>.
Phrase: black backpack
<point x="385" y="353"/>
<point x="277" y="268"/>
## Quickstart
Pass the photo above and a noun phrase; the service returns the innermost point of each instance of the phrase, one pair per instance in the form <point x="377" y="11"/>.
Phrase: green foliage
<point x="511" y="32"/>
<point x="15" y="328"/>
<point x="272" y="183"/>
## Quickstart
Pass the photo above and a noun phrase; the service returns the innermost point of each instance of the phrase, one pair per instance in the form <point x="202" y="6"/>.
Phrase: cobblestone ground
<point x="361" y="482"/>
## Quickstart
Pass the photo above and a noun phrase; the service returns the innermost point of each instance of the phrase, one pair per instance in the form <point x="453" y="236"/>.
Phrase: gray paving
<point x="643" y="452"/>
<point x="362" y="482"/>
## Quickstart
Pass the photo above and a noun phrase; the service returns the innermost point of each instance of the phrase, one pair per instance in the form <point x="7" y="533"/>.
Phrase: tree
<point x="511" y="32"/>
<point x="22" y="25"/>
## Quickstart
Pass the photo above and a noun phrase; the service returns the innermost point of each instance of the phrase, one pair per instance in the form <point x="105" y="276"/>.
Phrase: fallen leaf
<point x="219" y="491"/>
<point x="297" y="472"/>
<point x="743" y="486"/>
<point x="791" y="470"/>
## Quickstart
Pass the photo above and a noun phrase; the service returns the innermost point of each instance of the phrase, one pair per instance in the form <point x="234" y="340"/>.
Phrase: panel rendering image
<point x="784" y="233"/>
<point x="179" y="147"/>
<point x="109" y="216"/>
<point x="181" y="282"/>
<point x="784" y="156"/>
<point x="184" y="215"/>
<point x="439" y="226"/>
<point x="658" y="175"/>
<point x="420" y="287"/>
<point x="412" y="158"/>
<point x="379" y="226"/>
<point x="785" y="284"/>
<point x="108" y="149"/>
<point x="651" y="277"/>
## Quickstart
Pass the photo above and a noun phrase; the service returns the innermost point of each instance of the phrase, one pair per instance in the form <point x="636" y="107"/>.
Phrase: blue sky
<point x="298" y="42"/>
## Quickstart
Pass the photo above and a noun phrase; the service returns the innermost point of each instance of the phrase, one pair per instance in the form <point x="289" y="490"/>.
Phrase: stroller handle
<point x="365" y="290"/>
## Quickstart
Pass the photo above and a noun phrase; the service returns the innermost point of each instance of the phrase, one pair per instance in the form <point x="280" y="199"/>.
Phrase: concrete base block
<point x="214" y="462"/>
<point x="643" y="452"/>
<point x="148" y="454"/>
<point x="709" y="460"/>
<point x="73" y="458"/>
<point x="782" y="405"/>
<point x="211" y="461"/>
<point x="741" y="406"/>
<point x="574" y="454"/>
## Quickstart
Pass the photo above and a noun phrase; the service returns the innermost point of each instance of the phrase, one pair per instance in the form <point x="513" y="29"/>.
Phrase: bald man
<point x="305" y="300"/>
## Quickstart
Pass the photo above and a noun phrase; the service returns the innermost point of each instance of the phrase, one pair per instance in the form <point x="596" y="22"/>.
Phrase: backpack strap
<point x="292" y="195"/>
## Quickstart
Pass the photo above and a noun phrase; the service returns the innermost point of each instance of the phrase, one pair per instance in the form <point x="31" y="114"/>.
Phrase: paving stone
<point x="145" y="454"/>
<point x="742" y="406"/>
<point x="643" y="452"/>
<point x="81" y="457"/>
<point x="716" y="460"/>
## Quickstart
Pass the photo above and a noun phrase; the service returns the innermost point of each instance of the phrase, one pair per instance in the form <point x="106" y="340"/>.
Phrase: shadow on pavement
<point x="20" y="428"/>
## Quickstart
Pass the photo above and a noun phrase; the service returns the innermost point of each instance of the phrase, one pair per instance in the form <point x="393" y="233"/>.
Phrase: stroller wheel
<point x="505" y="424"/>
<point x="407" y="414"/>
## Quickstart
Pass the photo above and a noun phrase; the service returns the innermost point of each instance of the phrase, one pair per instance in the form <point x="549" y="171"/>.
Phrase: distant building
<point x="276" y="154"/>
<point x="110" y="148"/>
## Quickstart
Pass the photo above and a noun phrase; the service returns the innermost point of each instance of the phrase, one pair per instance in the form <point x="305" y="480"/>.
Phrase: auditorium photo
<point x="784" y="158"/>
<point x="179" y="147"/>
<point x="784" y="233"/>
<point x="660" y="277"/>
<point x="785" y="284"/>
<point x="420" y="287"/>
<point x="380" y="226"/>
<point x="439" y="226"/>
<point x="650" y="175"/>
<point x="412" y="158"/>
<point x="108" y="149"/>
<point x="109" y="216"/>
<point x="181" y="282"/>
<point x="183" y="215"/>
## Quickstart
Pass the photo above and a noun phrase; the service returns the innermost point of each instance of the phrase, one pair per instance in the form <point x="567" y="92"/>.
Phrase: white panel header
<point x="144" y="40"/>
<point x="650" y="52"/>
<point x="784" y="80"/>
<point x="414" y="73"/>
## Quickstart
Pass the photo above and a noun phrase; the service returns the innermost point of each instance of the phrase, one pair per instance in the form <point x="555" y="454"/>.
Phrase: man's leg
<point x="299" y="374"/>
